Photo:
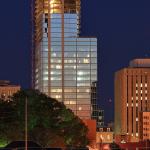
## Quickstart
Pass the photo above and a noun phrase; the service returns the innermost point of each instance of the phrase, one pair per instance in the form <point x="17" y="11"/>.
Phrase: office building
<point x="97" y="113"/>
<point x="132" y="95"/>
<point x="64" y="64"/>
<point x="144" y="125"/>
<point x="7" y="89"/>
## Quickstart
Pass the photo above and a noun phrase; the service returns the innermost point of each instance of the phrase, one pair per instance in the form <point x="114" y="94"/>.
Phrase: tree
<point x="115" y="146"/>
<point x="49" y="121"/>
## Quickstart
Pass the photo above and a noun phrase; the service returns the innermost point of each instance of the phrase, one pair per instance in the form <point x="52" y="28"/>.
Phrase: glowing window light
<point x="72" y="102"/>
<point x="80" y="108"/>
<point x="80" y="73"/>
<point x="85" y="60"/>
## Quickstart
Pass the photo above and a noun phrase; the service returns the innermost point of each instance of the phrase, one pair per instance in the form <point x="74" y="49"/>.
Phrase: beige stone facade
<point x="104" y="137"/>
<point x="132" y="95"/>
<point x="144" y="125"/>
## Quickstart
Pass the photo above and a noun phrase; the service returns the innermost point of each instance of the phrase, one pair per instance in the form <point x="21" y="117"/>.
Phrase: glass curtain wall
<point x="65" y="64"/>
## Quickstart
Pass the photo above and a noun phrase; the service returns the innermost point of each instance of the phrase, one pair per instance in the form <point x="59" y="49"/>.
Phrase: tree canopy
<point x="50" y="123"/>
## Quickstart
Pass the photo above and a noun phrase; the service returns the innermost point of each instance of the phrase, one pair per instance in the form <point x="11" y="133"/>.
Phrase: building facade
<point x="132" y="95"/>
<point x="7" y="90"/>
<point x="64" y="64"/>
<point x="97" y="113"/>
<point x="105" y="135"/>
<point x="144" y="125"/>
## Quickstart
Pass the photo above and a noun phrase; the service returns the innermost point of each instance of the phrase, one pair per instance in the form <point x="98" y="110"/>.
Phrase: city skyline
<point x="121" y="29"/>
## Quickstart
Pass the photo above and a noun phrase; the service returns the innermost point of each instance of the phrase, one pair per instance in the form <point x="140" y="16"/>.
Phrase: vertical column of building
<point x="62" y="46"/>
<point x="49" y="47"/>
<point x="38" y="30"/>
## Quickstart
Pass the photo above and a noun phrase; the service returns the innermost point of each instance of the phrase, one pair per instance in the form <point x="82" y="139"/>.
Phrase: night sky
<point x="122" y="29"/>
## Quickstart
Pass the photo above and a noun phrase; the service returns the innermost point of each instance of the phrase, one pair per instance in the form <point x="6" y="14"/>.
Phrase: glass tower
<point x="64" y="64"/>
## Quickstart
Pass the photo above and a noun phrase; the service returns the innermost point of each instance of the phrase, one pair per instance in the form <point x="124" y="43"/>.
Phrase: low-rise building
<point x="7" y="89"/>
<point x="104" y="135"/>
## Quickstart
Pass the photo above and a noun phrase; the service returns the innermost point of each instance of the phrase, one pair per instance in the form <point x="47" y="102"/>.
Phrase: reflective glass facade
<point x="64" y="64"/>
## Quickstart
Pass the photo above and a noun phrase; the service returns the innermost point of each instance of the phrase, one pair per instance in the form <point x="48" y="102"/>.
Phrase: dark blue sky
<point x="122" y="28"/>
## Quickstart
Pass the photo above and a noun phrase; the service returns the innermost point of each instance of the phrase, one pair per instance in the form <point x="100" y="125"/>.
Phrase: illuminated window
<point x="136" y="91"/>
<point x="45" y="78"/>
<point x="136" y="98"/>
<point x="145" y="91"/>
<point x="66" y="102"/>
<point x="58" y="96"/>
<point x="72" y="102"/>
<point x="80" y="73"/>
<point x="108" y="137"/>
<point x="58" y="66"/>
<point x="145" y="84"/>
<point x="87" y="90"/>
<point x="56" y="90"/>
<point x="80" y="108"/>
<point x="108" y="129"/>
<point x="86" y="61"/>
<point x="101" y="129"/>
<point x="141" y="85"/>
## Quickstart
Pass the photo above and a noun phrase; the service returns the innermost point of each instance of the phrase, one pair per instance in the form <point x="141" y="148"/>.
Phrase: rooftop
<point x="140" y="63"/>
<point x="6" y="83"/>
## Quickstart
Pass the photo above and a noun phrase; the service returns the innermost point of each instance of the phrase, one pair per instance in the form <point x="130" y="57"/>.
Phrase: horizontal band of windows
<point x="80" y="108"/>
<point x="67" y="84"/>
<point x="82" y="101"/>
<point x="60" y="17"/>
<point x="70" y="102"/>
<point x="65" y="21"/>
<point x="45" y="65"/>
<point x="75" y="48"/>
<point x="67" y="56"/>
<point x="78" y="102"/>
<point x="87" y="85"/>
<point x="66" y="30"/>
<point x="79" y="79"/>
<point x="71" y="90"/>
<point x="67" y="78"/>
<point x="65" y="15"/>
<point x="57" y="72"/>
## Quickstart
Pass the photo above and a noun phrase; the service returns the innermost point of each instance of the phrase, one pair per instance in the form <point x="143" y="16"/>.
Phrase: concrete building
<point x="64" y="64"/>
<point x="132" y="95"/>
<point x="104" y="135"/>
<point x="144" y="126"/>
<point x="97" y="113"/>
<point x="7" y="89"/>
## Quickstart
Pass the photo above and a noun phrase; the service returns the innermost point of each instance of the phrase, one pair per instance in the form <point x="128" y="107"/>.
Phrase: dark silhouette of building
<point x="97" y="113"/>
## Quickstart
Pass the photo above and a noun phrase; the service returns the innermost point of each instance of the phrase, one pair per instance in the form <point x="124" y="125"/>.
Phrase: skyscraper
<point x="64" y="64"/>
<point x="132" y="96"/>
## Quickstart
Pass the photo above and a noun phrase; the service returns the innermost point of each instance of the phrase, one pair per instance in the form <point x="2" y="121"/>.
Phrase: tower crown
<point x="69" y="6"/>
